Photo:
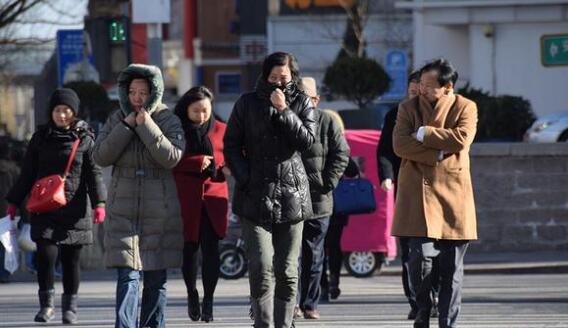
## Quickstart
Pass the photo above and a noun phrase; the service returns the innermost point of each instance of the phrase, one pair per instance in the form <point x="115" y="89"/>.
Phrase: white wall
<point x="520" y="71"/>
<point x="508" y="62"/>
<point x="316" y="40"/>
<point x="447" y="41"/>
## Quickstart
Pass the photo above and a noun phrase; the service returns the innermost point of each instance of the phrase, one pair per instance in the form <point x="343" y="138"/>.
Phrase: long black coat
<point x="388" y="161"/>
<point x="47" y="154"/>
<point x="325" y="162"/>
<point x="262" y="149"/>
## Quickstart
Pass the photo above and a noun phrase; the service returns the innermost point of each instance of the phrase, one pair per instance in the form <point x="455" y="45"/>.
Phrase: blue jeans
<point x="153" y="306"/>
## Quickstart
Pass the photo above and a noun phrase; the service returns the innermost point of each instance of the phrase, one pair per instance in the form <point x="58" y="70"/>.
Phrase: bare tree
<point x="354" y="43"/>
<point x="24" y="25"/>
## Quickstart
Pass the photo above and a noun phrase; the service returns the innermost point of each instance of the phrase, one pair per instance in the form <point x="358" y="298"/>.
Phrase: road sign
<point x="69" y="50"/>
<point x="396" y="66"/>
<point x="554" y="49"/>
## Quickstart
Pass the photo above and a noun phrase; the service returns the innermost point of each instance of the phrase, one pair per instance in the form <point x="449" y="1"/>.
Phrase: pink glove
<point x="99" y="215"/>
<point x="11" y="211"/>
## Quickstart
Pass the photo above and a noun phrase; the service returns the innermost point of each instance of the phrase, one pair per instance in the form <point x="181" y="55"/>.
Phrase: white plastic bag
<point x="8" y="238"/>
<point x="25" y="239"/>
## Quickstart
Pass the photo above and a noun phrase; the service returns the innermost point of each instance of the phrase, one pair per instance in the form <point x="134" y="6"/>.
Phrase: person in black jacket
<point x="333" y="253"/>
<point x="389" y="165"/>
<point x="68" y="228"/>
<point x="266" y="133"/>
<point x="324" y="162"/>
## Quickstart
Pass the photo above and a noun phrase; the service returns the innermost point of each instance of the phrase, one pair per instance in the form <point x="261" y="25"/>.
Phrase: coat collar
<point x="436" y="116"/>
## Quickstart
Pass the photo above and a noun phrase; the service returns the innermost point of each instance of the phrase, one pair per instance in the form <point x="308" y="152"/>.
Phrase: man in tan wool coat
<point x="434" y="205"/>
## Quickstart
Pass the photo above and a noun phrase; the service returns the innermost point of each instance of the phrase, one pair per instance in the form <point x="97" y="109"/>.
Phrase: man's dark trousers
<point x="311" y="262"/>
<point x="450" y="255"/>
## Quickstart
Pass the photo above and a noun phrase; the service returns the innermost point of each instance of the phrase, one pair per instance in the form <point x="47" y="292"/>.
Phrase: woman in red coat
<point x="203" y="195"/>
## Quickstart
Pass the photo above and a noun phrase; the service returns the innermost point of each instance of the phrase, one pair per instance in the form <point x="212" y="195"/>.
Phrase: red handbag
<point x="48" y="193"/>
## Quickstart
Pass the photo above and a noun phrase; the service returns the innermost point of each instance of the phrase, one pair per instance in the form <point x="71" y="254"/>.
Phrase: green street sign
<point x="554" y="49"/>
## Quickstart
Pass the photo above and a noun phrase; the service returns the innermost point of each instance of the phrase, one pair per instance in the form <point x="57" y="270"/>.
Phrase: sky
<point x="42" y="22"/>
<point x="61" y="14"/>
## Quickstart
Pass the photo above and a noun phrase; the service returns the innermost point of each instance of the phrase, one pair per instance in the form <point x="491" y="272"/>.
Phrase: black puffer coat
<point x="262" y="149"/>
<point x="325" y="162"/>
<point x="47" y="154"/>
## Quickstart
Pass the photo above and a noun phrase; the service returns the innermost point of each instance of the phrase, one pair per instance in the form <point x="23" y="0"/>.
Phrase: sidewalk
<point x="505" y="263"/>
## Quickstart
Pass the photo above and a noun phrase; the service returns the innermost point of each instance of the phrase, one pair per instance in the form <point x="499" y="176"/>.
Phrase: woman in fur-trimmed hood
<point x="143" y="141"/>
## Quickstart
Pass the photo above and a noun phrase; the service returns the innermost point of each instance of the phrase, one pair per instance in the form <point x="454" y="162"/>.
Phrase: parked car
<point x="366" y="241"/>
<point x="549" y="128"/>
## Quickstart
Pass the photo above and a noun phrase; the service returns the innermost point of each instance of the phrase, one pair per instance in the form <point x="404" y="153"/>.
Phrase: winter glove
<point x="99" y="215"/>
<point x="11" y="211"/>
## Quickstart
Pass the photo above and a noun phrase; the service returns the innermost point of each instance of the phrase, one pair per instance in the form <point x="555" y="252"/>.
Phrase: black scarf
<point x="198" y="142"/>
<point x="78" y="129"/>
<point x="265" y="89"/>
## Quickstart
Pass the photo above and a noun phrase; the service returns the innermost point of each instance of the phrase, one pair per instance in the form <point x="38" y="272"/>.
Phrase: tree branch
<point x="48" y="22"/>
<point x="11" y="11"/>
<point x="24" y="41"/>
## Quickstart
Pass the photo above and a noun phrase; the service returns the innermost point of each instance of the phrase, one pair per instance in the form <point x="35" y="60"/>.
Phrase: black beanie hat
<point x="64" y="96"/>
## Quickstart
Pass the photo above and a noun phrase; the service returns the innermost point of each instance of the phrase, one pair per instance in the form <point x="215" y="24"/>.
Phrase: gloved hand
<point x="99" y="215"/>
<point x="11" y="211"/>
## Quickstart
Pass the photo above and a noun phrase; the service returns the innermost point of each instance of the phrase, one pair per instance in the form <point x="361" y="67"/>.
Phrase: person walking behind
<point x="204" y="197"/>
<point x="434" y="204"/>
<point x="332" y="245"/>
<point x="143" y="141"/>
<point x="9" y="172"/>
<point x="324" y="162"/>
<point x="389" y="165"/>
<point x="267" y="131"/>
<point x="68" y="228"/>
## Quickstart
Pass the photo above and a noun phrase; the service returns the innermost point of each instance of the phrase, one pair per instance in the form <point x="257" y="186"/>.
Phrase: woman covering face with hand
<point x="143" y="141"/>
<point x="203" y="196"/>
<point x="267" y="132"/>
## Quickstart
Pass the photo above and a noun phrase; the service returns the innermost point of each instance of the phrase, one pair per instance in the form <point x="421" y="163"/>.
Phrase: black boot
<point x="69" y="308"/>
<point x="193" y="310"/>
<point x="47" y="311"/>
<point x="333" y="287"/>
<point x="207" y="310"/>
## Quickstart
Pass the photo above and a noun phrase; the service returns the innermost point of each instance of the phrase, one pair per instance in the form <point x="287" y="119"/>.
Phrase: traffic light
<point x="110" y="38"/>
<point x="117" y="31"/>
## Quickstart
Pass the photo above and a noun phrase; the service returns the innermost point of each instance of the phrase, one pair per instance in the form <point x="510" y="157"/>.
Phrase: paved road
<point x="490" y="301"/>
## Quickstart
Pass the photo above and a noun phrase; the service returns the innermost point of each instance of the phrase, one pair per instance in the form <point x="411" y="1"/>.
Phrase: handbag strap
<point x="71" y="157"/>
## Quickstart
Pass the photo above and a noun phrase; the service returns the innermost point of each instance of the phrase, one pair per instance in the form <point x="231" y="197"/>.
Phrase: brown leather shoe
<point x="298" y="312"/>
<point x="311" y="314"/>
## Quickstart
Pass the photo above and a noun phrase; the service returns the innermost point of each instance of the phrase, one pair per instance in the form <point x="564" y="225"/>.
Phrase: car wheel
<point x="233" y="263"/>
<point x="363" y="264"/>
<point x="563" y="137"/>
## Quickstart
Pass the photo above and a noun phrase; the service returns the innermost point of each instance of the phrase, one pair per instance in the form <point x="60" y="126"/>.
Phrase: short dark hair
<point x="446" y="71"/>
<point x="414" y="76"/>
<point x="192" y="95"/>
<point x="281" y="59"/>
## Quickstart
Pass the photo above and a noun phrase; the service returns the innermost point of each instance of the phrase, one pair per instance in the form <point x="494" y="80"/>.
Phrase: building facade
<point x="513" y="47"/>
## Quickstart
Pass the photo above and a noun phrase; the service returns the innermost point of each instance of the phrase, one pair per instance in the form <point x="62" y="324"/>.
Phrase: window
<point x="228" y="83"/>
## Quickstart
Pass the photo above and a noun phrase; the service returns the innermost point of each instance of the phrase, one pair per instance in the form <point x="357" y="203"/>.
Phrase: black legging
<point x="46" y="257"/>
<point x="209" y="242"/>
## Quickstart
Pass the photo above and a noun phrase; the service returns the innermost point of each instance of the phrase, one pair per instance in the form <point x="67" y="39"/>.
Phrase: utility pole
<point x="153" y="13"/>
<point x="155" y="44"/>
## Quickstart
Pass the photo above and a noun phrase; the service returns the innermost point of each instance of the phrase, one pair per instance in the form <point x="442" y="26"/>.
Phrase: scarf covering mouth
<point x="264" y="89"/>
